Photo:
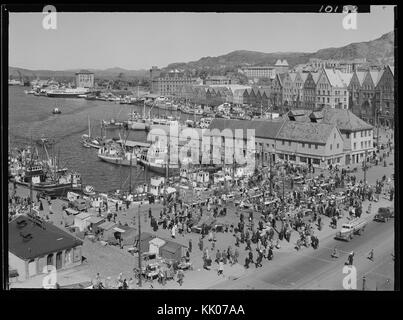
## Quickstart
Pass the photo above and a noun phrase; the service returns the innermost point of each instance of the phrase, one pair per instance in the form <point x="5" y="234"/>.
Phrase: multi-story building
<point x="354" y="89"/>
<point x="332" y="89"/>
<point x="309" y="90"/>
<point x="276" y="93"/>
<point x="281" y="66"/>
<point x="297" y="88"/>
<point x="345" y="66"/>
<point x="259" y="72"/>
<point x="357" y="134"/>
<point x="384" y="97"/>
<point x="217" y="80"/>
<point x="317" y="144"/>
<point x="170" y="83"/>
<point x="154" y="75"/>
<point x="84" y="79"/>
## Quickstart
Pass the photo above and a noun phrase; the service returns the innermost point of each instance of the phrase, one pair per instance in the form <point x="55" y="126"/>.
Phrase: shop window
<point x="316" y="161"/>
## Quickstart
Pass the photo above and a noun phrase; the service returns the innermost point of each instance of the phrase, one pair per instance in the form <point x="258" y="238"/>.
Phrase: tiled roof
<point x="361" y="76"/>
<point x="344" y="119"/>
<point x="345" y="77"/>
<point x="375" y="75"/>
<point x="263" y="128"/>
<point x="28" y="239"/>
<point x="304" y="75"/>
<point x="315" y="76"/>
<point x="305" y="132"/>
<point x="293" y="75"/>
<point x="335" y="79"/>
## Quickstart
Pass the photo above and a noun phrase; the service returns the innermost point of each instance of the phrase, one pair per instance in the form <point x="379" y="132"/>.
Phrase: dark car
<point x="384" y="214"/>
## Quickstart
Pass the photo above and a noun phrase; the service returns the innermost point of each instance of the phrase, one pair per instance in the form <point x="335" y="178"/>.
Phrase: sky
<point x="141" y="40"/>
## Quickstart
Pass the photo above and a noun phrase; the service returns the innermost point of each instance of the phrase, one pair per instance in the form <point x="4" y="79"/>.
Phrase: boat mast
<point x="89" y="126"/>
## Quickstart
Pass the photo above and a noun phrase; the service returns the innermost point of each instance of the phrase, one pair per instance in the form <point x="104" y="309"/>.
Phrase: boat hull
<point x="159" y="169"/>
<point x="51" y="189"/>
<point x="118" y="161"/>
<point x="63" y="95"/>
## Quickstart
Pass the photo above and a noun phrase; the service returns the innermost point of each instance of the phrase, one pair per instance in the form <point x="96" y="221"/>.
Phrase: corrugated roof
<point x="28" y="240"/>
<point x="305" y="132"/>
<point x="344" y="119"/>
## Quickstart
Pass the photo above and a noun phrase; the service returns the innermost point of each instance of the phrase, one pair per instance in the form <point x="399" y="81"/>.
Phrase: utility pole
<point x="130" y="185"/>
<point x="377" y="127"/>
<point x="139" y="248"/>
<point x="365" y="169"/>
<point x="283" y="183"/>
<point x="271" y="187"/>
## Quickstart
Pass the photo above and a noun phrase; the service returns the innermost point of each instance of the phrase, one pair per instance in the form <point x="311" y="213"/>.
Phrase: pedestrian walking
<point x="190" y="245"/>
<point x="220" y="268"/>
<point x="180" y="275"/>
<point x="335" y="253"/>
<point x="371" y="255"/>
<point x="201" y="244"/>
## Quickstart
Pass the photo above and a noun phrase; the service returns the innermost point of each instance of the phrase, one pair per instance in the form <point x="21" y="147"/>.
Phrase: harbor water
<point x="30" y="117"/>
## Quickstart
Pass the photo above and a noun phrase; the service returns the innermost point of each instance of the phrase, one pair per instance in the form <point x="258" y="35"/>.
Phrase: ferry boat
<point x="66" y="93"/>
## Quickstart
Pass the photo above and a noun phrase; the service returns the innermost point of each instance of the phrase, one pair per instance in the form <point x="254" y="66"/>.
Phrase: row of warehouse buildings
<point x="317" y="138"/>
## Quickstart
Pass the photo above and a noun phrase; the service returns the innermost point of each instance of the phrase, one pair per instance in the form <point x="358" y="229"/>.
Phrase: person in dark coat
<point x="246" y="263"/>
<point x="250" y="257"/>
<point x="190" y="245"/>
<point x="248" y="243"/>
<point x="270" y="254"/>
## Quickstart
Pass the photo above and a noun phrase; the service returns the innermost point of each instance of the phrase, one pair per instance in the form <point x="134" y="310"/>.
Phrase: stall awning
<point x="107" y="225"/>
<point x="119" y="230"/>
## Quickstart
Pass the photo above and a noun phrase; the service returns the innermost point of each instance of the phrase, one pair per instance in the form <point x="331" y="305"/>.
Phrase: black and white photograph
<point x="175" y="150"/>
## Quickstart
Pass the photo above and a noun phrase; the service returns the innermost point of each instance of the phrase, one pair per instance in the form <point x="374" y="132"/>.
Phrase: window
<point x="361" y="134"/>
<point x="338" y="146"/>
<point x="292" y="157"/>
<point x="309" y="145"/>
<point x="289" y="143"/>
<point x="355" y="135"/>
<point x="316" y="161"/>
<point x="303" y="145"/>
<point x="302" y="159"/>
<point x="331" y="146"/>
<point x="348" y="136"/>
<point x="355" y="146"/>
<point x="282" y="142"/>
<point x="362" y="144"/>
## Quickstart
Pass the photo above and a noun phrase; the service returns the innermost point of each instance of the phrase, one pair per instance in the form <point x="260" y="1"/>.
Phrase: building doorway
<point x="32" y="268"/>
<point x="49" y="260"/>
<point x="59" y="260"/>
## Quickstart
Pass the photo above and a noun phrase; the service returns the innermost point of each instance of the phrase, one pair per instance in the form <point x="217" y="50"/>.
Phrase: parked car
<point x="384" y="214"/>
